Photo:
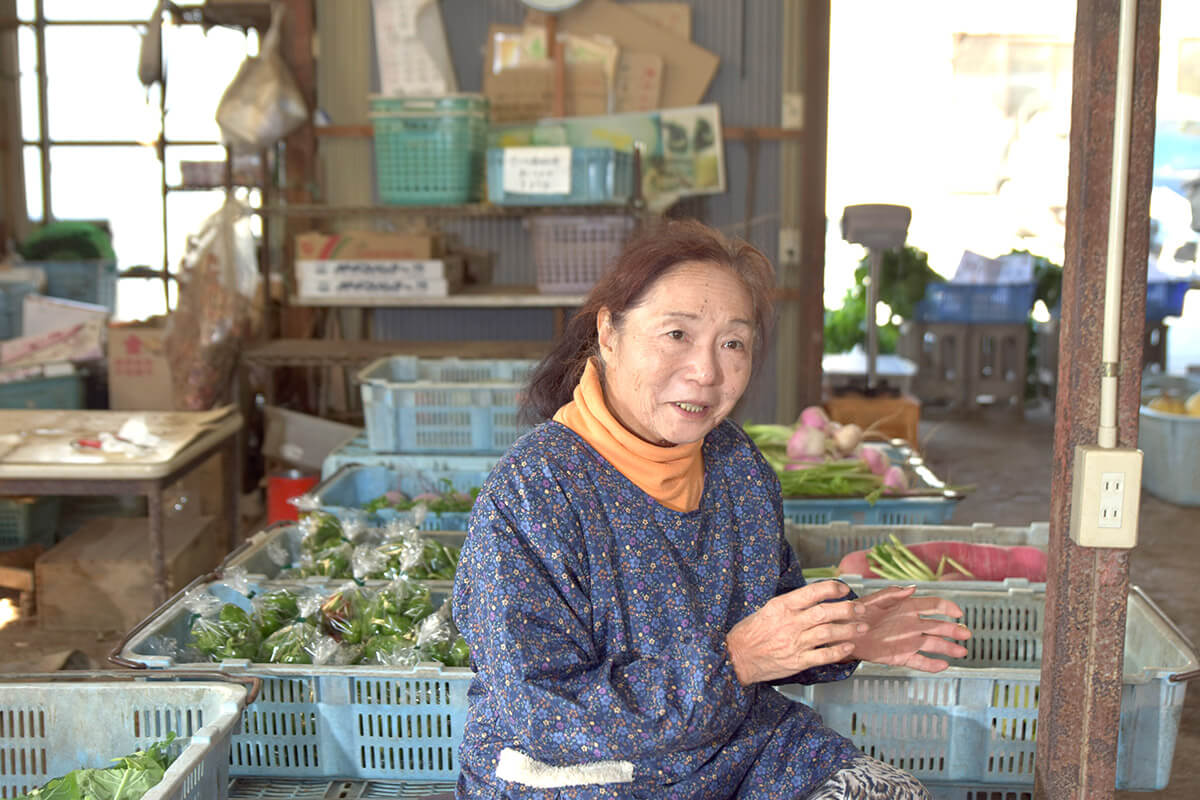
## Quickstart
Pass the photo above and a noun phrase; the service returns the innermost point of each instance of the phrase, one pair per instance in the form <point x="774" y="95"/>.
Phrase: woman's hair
<point x="643" y="261"/>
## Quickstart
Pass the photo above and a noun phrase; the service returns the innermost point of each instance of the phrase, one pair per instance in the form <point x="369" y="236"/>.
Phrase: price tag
<point x="537" y="170"/>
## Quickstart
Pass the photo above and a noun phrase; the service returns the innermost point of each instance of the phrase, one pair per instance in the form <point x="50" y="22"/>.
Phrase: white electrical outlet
<point x="1105" y="494"/>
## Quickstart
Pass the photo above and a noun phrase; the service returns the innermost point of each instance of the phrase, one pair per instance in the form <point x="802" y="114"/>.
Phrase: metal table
<point x="144" y="477"/>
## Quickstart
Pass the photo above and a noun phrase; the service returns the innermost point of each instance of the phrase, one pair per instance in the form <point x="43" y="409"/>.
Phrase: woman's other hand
<point x="797" y="631"/>
<point x="900" y="631"/>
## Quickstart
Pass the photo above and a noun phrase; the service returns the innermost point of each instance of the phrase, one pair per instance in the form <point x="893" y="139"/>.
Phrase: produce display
<point x="448" y="499"/>
<point x="333" y="548"/>
<point x="392" y="625"/>
<point x="818" y="457"/>
<point x="1169" y="403"/>
<point x="129" y="778"/>
<point x="939" y="561"/>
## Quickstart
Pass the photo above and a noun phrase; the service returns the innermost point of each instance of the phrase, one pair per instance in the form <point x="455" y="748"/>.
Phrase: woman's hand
<point x="899" y="627"/>
<point x="796" y="631"/>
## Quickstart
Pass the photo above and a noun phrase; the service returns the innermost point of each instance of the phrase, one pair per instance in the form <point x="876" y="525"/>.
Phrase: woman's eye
<point x="675" y="334"/>
<point x="735" y="344"/>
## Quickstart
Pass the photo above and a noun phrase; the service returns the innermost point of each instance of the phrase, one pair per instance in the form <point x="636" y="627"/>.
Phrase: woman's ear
<point x="604" y="330"/>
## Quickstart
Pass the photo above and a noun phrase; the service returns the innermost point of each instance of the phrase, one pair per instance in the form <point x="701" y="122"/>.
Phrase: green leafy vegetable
<point x="128" y="779"/>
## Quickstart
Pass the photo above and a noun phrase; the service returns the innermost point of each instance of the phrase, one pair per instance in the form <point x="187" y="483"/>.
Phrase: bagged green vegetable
<point x="231" y="634"/>
<point x="275" y="609"/>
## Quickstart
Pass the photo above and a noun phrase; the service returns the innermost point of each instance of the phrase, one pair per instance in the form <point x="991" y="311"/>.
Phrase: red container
<point x="281" y="488"/>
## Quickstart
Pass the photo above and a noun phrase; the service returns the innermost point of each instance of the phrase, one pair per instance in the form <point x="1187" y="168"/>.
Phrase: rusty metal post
<point x="1086" y="592"/>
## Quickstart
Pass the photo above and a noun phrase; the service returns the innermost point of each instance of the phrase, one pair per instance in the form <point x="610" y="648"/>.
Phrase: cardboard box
<point x="100" y="578"/>
<point x="139" y="372"/>
<point x="689" y="68"/>
<point x="83" y="341"/>
<point x="367" y="244"/>
<point x="376" y="282"/>
<point x="526" y="93"/>
<point x="41" y="314"/>
<point x="638" y="83"/>
<point x="674" y="17"/>
<point x="301" y="440"/>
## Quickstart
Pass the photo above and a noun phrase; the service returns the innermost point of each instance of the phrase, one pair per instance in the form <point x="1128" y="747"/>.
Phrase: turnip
<point x="895" y="479"/>
<point x="876" y="460"/>
<point x="814" y="417"/>
<point x="847" y="437"/>
<point x="806" y="442"/>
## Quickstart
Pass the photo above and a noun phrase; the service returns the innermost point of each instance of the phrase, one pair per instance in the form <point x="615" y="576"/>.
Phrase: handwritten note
<point x="537" y="170"/>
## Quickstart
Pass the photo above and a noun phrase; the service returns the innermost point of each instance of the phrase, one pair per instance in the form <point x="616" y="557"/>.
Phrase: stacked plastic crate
<point x="970" y="343"/>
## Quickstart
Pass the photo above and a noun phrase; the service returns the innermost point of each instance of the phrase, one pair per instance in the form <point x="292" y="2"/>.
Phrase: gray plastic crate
<point x="974" y="724"/>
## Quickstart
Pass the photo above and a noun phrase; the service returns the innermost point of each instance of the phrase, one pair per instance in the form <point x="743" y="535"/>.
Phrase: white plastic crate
<point x="975" y="723"/>
<point x="318" y="722"/>
<point x="572" y="252"/>
<point x="283" y="788"/>
<point x="825" y="545"/>
<point x="53" y="727"/>
<point x="443" y="405"/>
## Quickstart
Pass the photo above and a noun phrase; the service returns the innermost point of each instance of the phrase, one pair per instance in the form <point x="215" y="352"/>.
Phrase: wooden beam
<point x="1080" y="703"/>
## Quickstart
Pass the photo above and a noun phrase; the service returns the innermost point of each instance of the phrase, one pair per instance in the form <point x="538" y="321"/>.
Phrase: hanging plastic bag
<point x="219" y="308"/>
<point x="262" y="103"/>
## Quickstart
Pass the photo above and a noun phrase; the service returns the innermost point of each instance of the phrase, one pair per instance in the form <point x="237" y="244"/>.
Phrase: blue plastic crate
<point x="58" y="391"/>
<point x="964" y="302"/>
<point x="443" y="405"/>
<point x="12" y="299"/>
<point x="29" y="520"/>
<point x="1165" y="298"/>
<point x="885" y="511"/>
<point x="429" y="150"/>
<point x="84" y="281"/>
<point x="322" y="721"/>
<point x="599" y="176"/>
<point x="974" y="724"/>
<point x="355" y="485"/>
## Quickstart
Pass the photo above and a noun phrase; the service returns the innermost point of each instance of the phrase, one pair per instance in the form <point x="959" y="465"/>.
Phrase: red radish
<point x="806" y="441"/>
<point x="427" y="497"/>
<point x="814" y="417"/>
<point x="895" y="479"/>
<point x="804" y="463"/>
<point x="987" y="562"/>
<point x="875" y="459"/>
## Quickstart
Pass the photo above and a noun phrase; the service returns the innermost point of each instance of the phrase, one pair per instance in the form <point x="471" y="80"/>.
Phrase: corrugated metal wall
<point x="746" y="34"/>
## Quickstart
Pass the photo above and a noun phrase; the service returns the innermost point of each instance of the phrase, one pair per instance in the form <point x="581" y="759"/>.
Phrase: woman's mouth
<point x="691" y="408"/>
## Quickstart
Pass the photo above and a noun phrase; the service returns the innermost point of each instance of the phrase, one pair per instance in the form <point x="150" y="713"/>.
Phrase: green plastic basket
<point x="429" y="150"/>
<point x="55" y="391"/>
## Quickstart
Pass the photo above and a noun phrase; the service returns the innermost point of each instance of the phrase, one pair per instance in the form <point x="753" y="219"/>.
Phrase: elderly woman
<point x="625" y="587"/>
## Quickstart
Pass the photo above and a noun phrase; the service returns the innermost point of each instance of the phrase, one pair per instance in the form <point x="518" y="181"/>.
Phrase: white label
<point x="792" y="111"/>
<point x="537" y="170"/>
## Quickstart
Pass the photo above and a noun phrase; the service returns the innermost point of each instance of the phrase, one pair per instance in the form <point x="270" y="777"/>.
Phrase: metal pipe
<point x="39" y="30"/>
<point x="1122" y="116"/>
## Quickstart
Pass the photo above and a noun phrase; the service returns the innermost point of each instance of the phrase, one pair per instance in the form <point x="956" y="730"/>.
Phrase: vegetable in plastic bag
<point x="275" y="609"/>
<point x="290" y="644"/>
<point x="231" y="634"/>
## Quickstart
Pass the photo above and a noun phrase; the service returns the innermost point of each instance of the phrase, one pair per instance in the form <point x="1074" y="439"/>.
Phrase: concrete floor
<point x="1009" y="462"/>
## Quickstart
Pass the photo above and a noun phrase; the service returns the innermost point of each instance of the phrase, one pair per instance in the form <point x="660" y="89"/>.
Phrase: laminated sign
<point x="537" y="170"/>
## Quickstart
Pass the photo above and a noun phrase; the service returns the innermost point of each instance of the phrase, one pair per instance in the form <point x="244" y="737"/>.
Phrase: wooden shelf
<point x="470" y="297"/>
<point x="349" y="353"/>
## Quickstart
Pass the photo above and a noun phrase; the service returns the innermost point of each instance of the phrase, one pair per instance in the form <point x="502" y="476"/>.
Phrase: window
<point x="98" y="145"/>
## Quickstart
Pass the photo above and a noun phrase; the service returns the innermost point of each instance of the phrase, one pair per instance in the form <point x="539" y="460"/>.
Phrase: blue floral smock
<point x="596" y="619"/>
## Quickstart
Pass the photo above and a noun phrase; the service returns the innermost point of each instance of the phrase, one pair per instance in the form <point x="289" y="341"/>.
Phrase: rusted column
<point x="1086" y="593"/>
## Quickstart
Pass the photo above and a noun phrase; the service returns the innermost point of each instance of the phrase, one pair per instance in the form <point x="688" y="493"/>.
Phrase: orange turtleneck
<point x="674" y="476"/>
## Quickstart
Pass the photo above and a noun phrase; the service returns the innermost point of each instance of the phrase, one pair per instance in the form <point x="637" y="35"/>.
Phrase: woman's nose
<point x="706" y="368"/>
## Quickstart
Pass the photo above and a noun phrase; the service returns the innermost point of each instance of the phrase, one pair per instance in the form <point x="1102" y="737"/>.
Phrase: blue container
<point x="964" y="302"/>
<point x="323" y="721"/>
<point x="356" y="451"/>
<point x="1165" y="298"/>
<point x="83" y="281"/>
<point x="599" y="176"/>
<point x="443" y="405"/>
<point x="12" y="299"/>
<point x="59" y="391"/>
<point x="1170" y="443"/>
<point x="355" y="485"/>
<point x="429" y="150"/>
<point x="885" y="511"/>
<point x="28" y="520"/>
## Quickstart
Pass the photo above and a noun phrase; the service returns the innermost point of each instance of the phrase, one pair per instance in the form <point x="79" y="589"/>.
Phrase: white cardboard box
<point x="375" y="279"/>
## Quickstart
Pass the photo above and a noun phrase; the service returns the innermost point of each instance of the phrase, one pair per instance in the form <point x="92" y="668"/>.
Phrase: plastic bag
<point x="219" y="308"/>
<point x="262" y="103"/>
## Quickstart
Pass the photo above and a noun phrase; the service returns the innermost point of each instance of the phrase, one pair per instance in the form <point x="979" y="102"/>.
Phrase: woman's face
<point x="680" y="360"/>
